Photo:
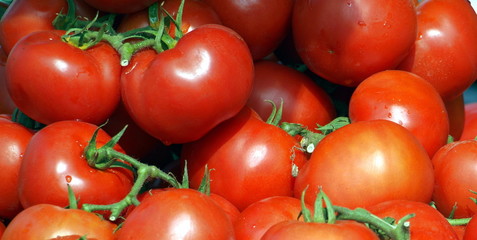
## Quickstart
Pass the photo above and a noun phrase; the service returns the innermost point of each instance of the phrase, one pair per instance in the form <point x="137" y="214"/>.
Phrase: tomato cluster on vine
<point x="227" y="119"/>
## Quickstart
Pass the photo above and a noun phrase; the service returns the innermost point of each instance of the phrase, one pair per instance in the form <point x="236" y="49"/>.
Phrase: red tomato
<point x="195" y="13"/>
<point x="455" y="167"/>
<point x="63" y="82"/>
<point x="177" y="214"/>
<point x="341" y="230"/>
<point x="259" y="216"/>
<point x="46" y="221"/>
<point x="6" y="103"/>
<point x="470" y="122"/>
<point x="180" y="94"/>
<point x="471" y="229"/>
<point x="445" y="53"/>
<point x="14" y="139"/>
<point x="120" y="6"/>
<point x="2" y="228"/>
<point x="304" y="101"/>
<point x="368" y="162"/>
<point x="456" y="112"/>
<point x="428" y="223"/>
<point x="347" y="41"/>
<point x="406" y="99"/>
<point x="263" y="24"/>
<point x="55" y="158"/>
<point x="251" y="159"/>
<point x="32" y="16"/>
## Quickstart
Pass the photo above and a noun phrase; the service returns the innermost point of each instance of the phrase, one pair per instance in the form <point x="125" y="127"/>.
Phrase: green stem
<point x="400" y="231"/>
<point x="458" y="221"/>
<point x="144" y="172"/>
<point x="5" y="3"/>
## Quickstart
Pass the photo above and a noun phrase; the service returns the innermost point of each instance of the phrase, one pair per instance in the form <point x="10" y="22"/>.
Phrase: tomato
<point x="251" y="159"/>
<point x="195" y="13"/>
<point x="347" y="41"/>
<point x="455" y="167"/>
<point x="6" y="103"/>
<point x="55" y="157"/>
<point x="364" y="163"/>
<point x="262" y="23"/>
<point x="120" y="6"/>
<point x="456" y="112"/>
<point x="2" y="228"/>
<point x="428" y="223"/>
<point x="444" y="52"/>
<point x="304" y="101"/>
<point x="259" y="216"/>
<point x="404" y="98"/>
<point x="177" y="214"/>
<point x="14" y="139"/>
<point x="308" y="231"/>
<point x="471" y="229"/>
<point x="180" y="94"/>
<point x="46" y="221"/>
<point x="26" y="16"/>
<point x="470" y="122"/>
<point x="83" y="85"/>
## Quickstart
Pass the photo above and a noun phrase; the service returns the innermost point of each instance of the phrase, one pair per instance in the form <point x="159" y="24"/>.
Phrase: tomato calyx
<point x="325" y="212"/>
<point x="162" y="33"/>
<point x="21" y="118"/>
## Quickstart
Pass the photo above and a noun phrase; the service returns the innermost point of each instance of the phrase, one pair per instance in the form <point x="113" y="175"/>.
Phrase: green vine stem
<point x="325" y="212"/>
<point x="5" y="3"/>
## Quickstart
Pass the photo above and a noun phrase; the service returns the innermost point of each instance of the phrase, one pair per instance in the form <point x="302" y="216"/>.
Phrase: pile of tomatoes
<point x="227" y="119"/>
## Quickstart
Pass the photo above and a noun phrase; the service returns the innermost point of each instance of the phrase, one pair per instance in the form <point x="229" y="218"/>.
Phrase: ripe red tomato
<point x="471" y="229"/>
<point x="32" y="16"/>
<point x="46" y="221"/>
<point x="340" y="230"/>
<point x="2" y="228"/>
<point x="251" y="159"/>
<point x="445" y="53"/>
<point x="177" y="214"/>
<point x="14" y="139"/>
<point x="63" y="82"/>
<point x="262" y="23"/>
<point x="404" y="98"/>
<point x="195" y="13"/>
<point x="470" y="122"/>
<point x="456" y="112"/>
<point x="347" y="41"/>
<point x="6" y="103"/>
<point x="120" y="6"/>
<point x="368" y="162"/>
<point x="304" y="101"/>
<point x="428" y="223"/>
<point x="455" y="170"/>
<point x="55" y="157"/>
<point x="259" y="216"/>
<point x="180" y="94"/>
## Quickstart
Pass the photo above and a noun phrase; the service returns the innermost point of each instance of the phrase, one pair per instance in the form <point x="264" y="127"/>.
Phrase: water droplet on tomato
<point x="419" y="36"/>
<point x="390" y="115"/>
<point x="68" y="178"/>
<point x="349" y="3"/>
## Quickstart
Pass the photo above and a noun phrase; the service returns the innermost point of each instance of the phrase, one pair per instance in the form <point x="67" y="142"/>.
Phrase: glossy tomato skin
<point x="251" y="159"/>
<point x="404" y="98"/>
<point x="195" y="13"/>
<point x="455" y="178"/>
<point x="470" y="122"/>
<point x="120" y="6"/>
<point x="46" y="221"/>
<point x="347" y="41"/>
<point x="304" y="101"/>
<point x="6" y="103"/>
<point x="263" y="24"/>
<point x="14" y="139"/>
<point x="33" y="16"/>
<point x="368" y="162"/>
<point x="340" y="230"/>
<point x="259" y="216"/>
<point x="180" y="94"/>
<point x="55" y="158"/>
<point x="63" y="82"/>
<point x="183" y="214"/>
<point x="444" y="52"/>
<point x="471" y="229"/>
<point x="428" y="223"/>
